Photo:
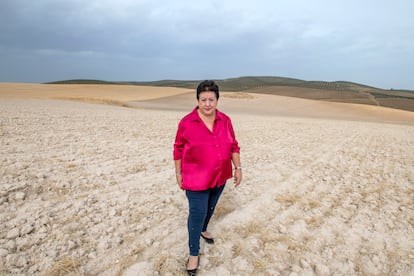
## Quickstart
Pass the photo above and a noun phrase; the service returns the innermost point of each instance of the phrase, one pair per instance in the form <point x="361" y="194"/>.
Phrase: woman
<point x="204" y="149"/>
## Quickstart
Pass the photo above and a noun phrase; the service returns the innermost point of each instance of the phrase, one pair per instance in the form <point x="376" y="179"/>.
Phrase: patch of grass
<point x="254" y="226"/>
<point x="237" y="249"/>
<point x="94" y="100"/>
<point x="238" y="95"/>
<point x="260" y="265"/>
<point x="66" y="266"/>
<point x="161" y="265"/>
<point x="289" y="199"/>
<point x="130" y="259"/>
<point x="313" y="222"/>
<point x="215" y="261"/>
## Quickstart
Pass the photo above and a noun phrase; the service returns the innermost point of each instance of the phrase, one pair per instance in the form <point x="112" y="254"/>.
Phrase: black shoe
<point x="208" y="240"/>
<point x="193" y="272"/>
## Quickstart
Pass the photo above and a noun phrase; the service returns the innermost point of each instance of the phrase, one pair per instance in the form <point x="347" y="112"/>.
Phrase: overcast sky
<point x="365" y="41"/>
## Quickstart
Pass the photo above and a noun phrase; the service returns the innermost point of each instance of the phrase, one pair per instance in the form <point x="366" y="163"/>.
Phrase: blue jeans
<point x="201" y="207"/>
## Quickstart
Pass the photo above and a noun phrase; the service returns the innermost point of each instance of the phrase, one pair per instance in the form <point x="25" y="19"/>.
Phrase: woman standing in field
<point x="204" y="149"/>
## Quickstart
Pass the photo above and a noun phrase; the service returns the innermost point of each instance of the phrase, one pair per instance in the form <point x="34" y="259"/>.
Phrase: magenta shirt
<point x="205" y="155"/>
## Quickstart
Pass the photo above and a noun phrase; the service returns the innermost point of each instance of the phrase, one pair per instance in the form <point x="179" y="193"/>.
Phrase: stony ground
<point x="90" y="190"/>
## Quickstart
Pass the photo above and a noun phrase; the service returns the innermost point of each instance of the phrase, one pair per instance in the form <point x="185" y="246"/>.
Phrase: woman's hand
<point x="179" y="178"/>
<point x="237" y="177"/>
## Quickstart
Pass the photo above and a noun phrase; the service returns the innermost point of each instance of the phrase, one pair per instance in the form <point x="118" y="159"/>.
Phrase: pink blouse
<point x="205" y="156"/>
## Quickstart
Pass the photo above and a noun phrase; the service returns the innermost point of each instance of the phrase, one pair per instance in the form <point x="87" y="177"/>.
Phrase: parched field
<point x="90" y="189"/>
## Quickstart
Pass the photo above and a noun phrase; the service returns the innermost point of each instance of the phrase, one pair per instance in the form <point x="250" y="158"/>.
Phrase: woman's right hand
<point x="179" y="178"/>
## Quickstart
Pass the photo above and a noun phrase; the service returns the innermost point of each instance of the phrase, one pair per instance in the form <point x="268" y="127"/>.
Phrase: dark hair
<point x="207" y="85"/>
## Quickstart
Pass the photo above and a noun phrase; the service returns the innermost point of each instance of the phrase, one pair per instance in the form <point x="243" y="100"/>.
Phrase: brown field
<point x="396" y="100"/>
<point x="111" y="94"/>
<point x="89" y="189"/>
<point x="397" y="103"/>
<point x="318" y="94"/>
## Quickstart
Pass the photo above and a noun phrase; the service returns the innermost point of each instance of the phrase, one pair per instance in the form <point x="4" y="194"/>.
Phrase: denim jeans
<point x="201" y="208"/>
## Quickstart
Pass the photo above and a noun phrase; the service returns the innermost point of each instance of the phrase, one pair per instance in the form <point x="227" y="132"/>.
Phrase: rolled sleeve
<point x="235" y="146"/>
<point x="178" y="144"/>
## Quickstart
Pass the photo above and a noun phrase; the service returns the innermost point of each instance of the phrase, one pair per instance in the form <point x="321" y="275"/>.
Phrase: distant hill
<point x="83" y="81"/>
<point x="337" y="91"/>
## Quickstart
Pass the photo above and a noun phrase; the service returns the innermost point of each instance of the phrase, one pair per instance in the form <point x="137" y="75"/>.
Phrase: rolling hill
<point x="337" y="91"/>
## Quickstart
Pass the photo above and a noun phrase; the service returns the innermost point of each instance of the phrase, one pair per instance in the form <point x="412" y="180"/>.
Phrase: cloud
<point x="190" y="39"/>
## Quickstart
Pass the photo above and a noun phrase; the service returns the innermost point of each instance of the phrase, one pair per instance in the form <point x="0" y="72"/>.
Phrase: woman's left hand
<point x="237" y="177"/>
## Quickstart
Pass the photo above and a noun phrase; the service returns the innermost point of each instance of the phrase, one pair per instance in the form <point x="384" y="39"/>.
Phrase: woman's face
<point x="207" y="103"/>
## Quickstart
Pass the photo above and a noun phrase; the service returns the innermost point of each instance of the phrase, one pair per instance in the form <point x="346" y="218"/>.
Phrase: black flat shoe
<point x="193" y="272"/>
<point x="208" y="240"/>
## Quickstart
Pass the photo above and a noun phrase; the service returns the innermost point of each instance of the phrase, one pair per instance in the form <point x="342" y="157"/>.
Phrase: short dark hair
<point x="208" y="85"/>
